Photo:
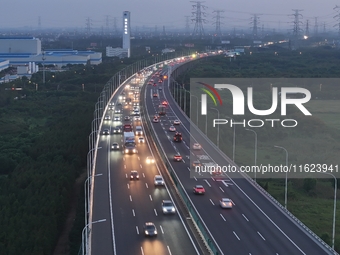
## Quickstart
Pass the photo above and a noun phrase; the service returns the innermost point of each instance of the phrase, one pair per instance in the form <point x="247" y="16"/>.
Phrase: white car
<point x="141" y="140"/>
<point x="158" y="180"/>
<point x="107" y="117"/>
<point x="150" y="160"/>
<point x="137" y="118"/>
<point x="197" y="146"/>
<point x="177" y="122"/>
<point x="172" y="129"/>
<point x="116" y="118"/>
<point x="226" y="203"/>
<point x="168" y="207"/>
<point x="117" y="110"/>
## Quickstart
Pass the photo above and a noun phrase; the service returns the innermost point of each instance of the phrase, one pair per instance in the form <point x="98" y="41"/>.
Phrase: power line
<point x="255" y="22"/>
<point x="187" y="26"/>
<point x="307" y="28"/>
<point x="198" y="18"/>
<point x="337" y="17"/>
<point x="316" y="26"/>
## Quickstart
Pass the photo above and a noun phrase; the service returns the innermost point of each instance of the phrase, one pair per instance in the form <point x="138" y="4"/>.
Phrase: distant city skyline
<point x="148" y="14"/>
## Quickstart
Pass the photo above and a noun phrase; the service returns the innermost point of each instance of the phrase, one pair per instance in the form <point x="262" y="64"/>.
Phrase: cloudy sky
<point x="274" y="14"/>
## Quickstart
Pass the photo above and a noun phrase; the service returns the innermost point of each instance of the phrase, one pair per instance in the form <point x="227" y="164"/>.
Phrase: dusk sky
<point x="274" y="14"/>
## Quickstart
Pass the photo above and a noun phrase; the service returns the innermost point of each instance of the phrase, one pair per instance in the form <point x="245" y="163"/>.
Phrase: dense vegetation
<point x="315" y="140"/>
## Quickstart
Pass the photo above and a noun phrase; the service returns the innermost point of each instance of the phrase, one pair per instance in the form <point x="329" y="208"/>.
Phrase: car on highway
<point x="134" y="175"/>
<point x="135" y="104"/>
<point x="158" y="180"/>
<point x="155" y="95"/>
<point x="168" y="207"/>
<point x="226" y="203"/>
<point x="127" y="118"/>
<point x="196" y="146"/>
<point x="155" y="120"/>
<point x="117" y="110"/>
<point x="115" y="146"/>
<point x="196" y="163"/>
<point x="199" y="189"/>
<point x="110" y="108"/>
<point x="137" y="118"/>
<point x="116" y="118"/>
<point x="150" y="160"/>
<point x="160" y="81"/>
<point x="172" y="129"/>
<point x="141" y="139"/>
<point x="106" y="132"/>
<point x="111" y="104"/>
<point x="165" y="103"/>
<point x="150" y="229"/>
<point x="107" y="117"/>
<point x="117" y="130"/>
<point x="160" y="88"/>
<point x="177" y="122"/>
<point x="178" y="137"/>
<point x="178" y="158"/>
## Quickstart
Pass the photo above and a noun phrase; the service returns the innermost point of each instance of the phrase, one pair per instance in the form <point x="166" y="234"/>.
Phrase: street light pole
<point x="218" y="127"/>
<point x="82" y="234"/>
<point x="255" y="151"/>
<point x="196" y="109"/>
<point x="286" y="179"/>
<point x="234" y="142"/>
<point x="87" y="195"/>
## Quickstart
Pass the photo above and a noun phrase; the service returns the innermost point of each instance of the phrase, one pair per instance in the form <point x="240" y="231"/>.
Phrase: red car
<point x="199" y="189"/>
<point x="177" y="158"/>
<point x="164" y="103"/>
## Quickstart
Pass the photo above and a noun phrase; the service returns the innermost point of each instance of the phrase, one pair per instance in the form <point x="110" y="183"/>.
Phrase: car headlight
<point x="146" y="232"/>
<point x="155" y="232"/>
<point x="173" y="209"/>
<point x="126" y="151"/>
<point x="164" y="210"/>
<point x="134" y="150"/>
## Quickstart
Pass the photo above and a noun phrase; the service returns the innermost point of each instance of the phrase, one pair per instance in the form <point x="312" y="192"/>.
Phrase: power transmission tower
<point x="88" y="26"/>
<point x="115" y="29"/>
<point x="337" y="17"/>
<point x="39" y="23"/>
<point x="316" y="26"/>
<point x="307" y="28"/>
<point x="107" y="24"/>
<point x="198" y="18"/>
<point x="297" y="23"/>
<point x="187" y="26"/>
<point x="255" y="22"/>
<point x="218" y="22"/>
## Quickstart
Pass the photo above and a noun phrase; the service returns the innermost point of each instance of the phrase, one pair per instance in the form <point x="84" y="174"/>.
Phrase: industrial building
<point x="125" y="51"/>
<point x="23" y="50"/>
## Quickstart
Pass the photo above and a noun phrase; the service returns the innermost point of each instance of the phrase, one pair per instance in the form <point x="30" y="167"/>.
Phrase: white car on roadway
<point x="177" y="122"/>
<point x="226" y="203"/>
<point x="158" y="180"/>
<point x="150" y="160"/>
<point x="107" y="117"/>
<point x="141" y="139"/>
<point x="196" y="146"/>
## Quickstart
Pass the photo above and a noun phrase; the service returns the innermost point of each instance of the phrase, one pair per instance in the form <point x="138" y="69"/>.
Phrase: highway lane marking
<point x="143" y="175"/>
<point x="137" y="230"/>
<point x="141" y="248"/>
<point x="130" y="198"/>
<point x="160" y="226"/>
<point x="125" y="166"/>
<point x="188" y="169"/>
<point x="226" y="184"/>
<point x="211" y="201"/>
<point x="208" y="183"/>
<point x="141" y="167"/>
<point x="183" y="160"/>
<point x="138" y="158"/>
<point x="155" y="211"/>
<point x="236" y="236"/>
<point x="261" y="236"/>
<point x="150" y="197"/>
<point x="222" y="217"/>
<point x="126" y="176"/>
<point x="128" y="186"/>
<point x="124" y="158"/>
<point x="195" y="178"/>
<point x="133" y="213"/>
<point x="221" y="189"/>
<point x="146" y="185"/>
<point x="232" y="202"/>
<point x="245" y="217"/>
<point x="169" y="249"/>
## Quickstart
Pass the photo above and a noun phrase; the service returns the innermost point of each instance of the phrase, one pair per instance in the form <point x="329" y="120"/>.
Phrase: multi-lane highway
<point x="127" y="204"/>
<point x="254" y="225"/>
